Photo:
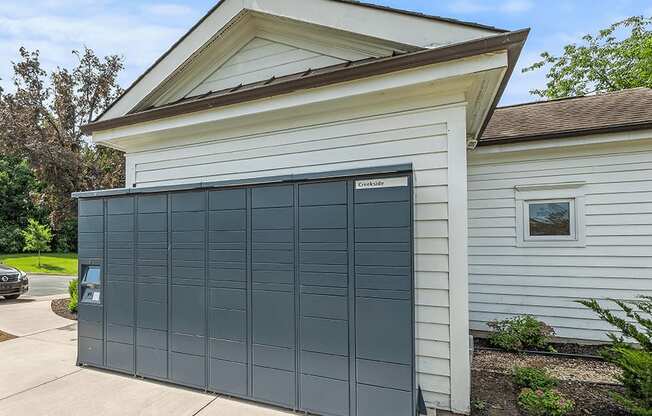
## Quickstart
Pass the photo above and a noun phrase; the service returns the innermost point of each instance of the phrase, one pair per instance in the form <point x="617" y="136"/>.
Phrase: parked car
<point x="13" y="282"/>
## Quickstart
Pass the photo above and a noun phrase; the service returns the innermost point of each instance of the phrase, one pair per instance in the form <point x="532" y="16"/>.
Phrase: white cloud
<point x="475" y="6"/>
<point x="56" y="27"/>
<point x="168" y="10"/>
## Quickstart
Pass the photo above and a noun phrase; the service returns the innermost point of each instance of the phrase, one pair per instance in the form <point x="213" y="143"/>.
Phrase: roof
<point x="511" y="41"/>
<point x="570" y="117"/>
<point x="352" y="2"/>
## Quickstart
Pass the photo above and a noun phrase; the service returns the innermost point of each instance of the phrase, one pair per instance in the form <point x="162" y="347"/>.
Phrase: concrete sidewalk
<point x="39" y="376"/>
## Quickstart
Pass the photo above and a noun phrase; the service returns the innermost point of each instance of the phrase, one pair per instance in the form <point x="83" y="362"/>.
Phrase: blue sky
<point x="141" y="30"/>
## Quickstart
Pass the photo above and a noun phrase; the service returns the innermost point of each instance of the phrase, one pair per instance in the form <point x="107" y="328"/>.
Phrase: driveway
<point x="39" y="376"/>
<point x="47" y="285"/>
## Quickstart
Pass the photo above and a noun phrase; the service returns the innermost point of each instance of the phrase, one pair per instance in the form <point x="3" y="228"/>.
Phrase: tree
<point x="616" y="58"/>
<point x="37" y="238"/>
<point x="19" y="193"/>
<point x="40" y="122"/>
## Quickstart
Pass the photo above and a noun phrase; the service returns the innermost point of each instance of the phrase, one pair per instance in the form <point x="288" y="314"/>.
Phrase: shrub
<point x="522" y="332"/>
<point x="635" y="362"/>
<point x="74" y="296"/>
<point x="545" y="402"/>
<point x="533" y="378"/>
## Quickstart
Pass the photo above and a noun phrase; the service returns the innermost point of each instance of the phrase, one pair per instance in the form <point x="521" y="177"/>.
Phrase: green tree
<point x="19" y="201"/>
<point x="41" y="120"/>
<point x="37" y="238"/>
<point x="616" y="58"/>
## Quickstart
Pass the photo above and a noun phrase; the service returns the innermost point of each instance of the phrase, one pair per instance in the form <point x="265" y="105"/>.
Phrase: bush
<point x="635" y="362"/>
<point x="522" y="332"/>
<point x="74" y="296"/>
<point x="545" y="402"/>
<point x="533" y="378"/>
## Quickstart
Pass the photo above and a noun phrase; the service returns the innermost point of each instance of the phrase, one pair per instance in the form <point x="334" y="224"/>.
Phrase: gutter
<point x="512" y="42"/>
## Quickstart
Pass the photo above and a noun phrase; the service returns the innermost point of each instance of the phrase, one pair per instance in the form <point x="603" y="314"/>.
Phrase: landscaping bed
<point x="60" y="307"/>
<point x="5" y="337"/>
<point x="560" y="348"/>
<point x="586" y="382"/>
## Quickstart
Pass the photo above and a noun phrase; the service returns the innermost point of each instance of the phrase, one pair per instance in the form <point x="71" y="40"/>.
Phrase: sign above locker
<point x="382" y="183"/>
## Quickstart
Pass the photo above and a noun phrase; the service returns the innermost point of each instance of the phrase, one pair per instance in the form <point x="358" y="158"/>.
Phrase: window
<point x="550" y="215"/>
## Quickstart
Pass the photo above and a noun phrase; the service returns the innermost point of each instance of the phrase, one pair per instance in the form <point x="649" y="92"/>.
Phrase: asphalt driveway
<point x="47" y="285"/>
<point x="39" y="376"/>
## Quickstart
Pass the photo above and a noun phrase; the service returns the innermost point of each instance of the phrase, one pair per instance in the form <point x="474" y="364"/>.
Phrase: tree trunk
<point x="39" y="259"/>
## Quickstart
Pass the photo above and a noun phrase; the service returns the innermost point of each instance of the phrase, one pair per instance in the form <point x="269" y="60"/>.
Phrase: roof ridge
<point x="577" y="97"/>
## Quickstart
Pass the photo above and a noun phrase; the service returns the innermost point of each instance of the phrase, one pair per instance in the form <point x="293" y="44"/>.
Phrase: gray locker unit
<point x="297" y="293"/>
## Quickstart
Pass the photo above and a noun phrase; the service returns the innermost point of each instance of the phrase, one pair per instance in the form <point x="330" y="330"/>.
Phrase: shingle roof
<point x="617" y="111"/>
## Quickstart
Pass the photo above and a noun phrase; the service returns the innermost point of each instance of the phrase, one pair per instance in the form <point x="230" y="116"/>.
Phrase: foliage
<point x="51" y="263"/>
<point x="37" y="238"/>
<point x="635" y="362"/>
<point x="533" y="378"/>
<point x="18" y="202"/>
<point x="41" y="120"/>
<point x="11" y="238"/>
<point x="74" y="296"/>
<point x="519" y="333"/>
<point x="66" y="238"/>
<point x="545" y="402"/>
<point x="616" y="58"/>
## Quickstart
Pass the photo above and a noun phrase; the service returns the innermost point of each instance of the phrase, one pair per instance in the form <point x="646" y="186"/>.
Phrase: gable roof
<point x="512" y="42"/>
<point x="570" y="117"/>
<point x="227" y="9"/>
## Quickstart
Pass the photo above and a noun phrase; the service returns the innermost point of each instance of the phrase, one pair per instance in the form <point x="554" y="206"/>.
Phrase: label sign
<point x="382" y="183"/>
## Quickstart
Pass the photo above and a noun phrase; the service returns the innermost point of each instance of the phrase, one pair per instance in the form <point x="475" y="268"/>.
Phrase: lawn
<point x="51" y="263"/>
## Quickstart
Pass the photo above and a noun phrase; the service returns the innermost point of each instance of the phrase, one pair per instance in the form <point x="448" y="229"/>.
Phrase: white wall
<point x="342" y="140"/>
<point x="617" y="261"/>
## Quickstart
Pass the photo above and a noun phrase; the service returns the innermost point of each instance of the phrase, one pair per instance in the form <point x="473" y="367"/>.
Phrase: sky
<point x="141" y="30"/>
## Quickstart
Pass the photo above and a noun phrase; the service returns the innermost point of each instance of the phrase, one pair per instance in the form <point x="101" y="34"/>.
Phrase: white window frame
<point x="572" y="192"/>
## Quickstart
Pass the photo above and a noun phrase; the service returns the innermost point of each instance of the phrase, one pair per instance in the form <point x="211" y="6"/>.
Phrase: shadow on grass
<point x="51" y="268"/>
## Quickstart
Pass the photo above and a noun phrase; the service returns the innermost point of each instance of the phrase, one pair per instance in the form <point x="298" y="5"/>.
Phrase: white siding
<point x="419" y="137"/>
<point x="260" y="60"/>
<point x="545" y="281"/>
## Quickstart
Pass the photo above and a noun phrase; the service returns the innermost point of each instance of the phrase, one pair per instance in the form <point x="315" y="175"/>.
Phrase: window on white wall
<point x="550" y="215"/>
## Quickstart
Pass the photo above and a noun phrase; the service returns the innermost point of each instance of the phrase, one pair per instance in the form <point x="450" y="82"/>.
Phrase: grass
<point x="51" y="263"/>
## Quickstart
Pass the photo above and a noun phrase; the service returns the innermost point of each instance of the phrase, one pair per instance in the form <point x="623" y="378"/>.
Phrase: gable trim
<point x="199" y="23"/>
<point x="512" y="42"/>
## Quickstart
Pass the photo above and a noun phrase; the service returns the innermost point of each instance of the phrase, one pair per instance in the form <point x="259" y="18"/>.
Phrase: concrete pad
<point x="66" y="335"/>
<point x="98" y="393"/>
<point x="233" y="407"/>
<point x="27" y="363"/>
<point x="28" y="316"/>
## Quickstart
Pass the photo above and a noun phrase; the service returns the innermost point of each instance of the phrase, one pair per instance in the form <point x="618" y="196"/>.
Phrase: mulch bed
<point x="5" y="337"/>
<point x="493" y="392"/>
<point x="562" y="348"/>
<point x="60" y="307"/>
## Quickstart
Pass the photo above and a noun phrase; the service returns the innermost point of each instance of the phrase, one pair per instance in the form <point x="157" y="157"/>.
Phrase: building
<point x="560" y="209"/>
<point x="294" y="227"/>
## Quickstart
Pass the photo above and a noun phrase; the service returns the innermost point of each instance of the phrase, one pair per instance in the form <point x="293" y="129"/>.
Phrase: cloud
<point x="475" y="6"/>
<point x="56" y="27"/>
<point x="168" y="10"/>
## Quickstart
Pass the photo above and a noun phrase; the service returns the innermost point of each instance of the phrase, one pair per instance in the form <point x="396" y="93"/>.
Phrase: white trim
<point x="424" y="75"/>
<point x="573" y="192"/>
<point x="458" y="263"/>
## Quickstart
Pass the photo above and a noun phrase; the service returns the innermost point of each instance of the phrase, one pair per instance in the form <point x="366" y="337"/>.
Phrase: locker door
<point x="187" y="304"/>
<point x="324" y="298"/>
<point x="227" y="286"/>
<point x="383" y="299"/>
<point x="152" y="286"/>
<point x="273" y="291"/>
<point x="119" y="289"/>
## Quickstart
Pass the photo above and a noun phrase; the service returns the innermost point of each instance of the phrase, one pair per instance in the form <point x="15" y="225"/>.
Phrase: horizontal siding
<point x="387" y="139"/>
<point x="506" y="280"/>
<point x="260" y="60"/>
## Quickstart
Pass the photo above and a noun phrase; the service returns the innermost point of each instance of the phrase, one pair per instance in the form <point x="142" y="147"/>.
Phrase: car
<point x="13" y="282"/>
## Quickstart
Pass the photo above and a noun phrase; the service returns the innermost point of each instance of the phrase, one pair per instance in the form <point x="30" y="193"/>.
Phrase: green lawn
<point x="51" y="263"/>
